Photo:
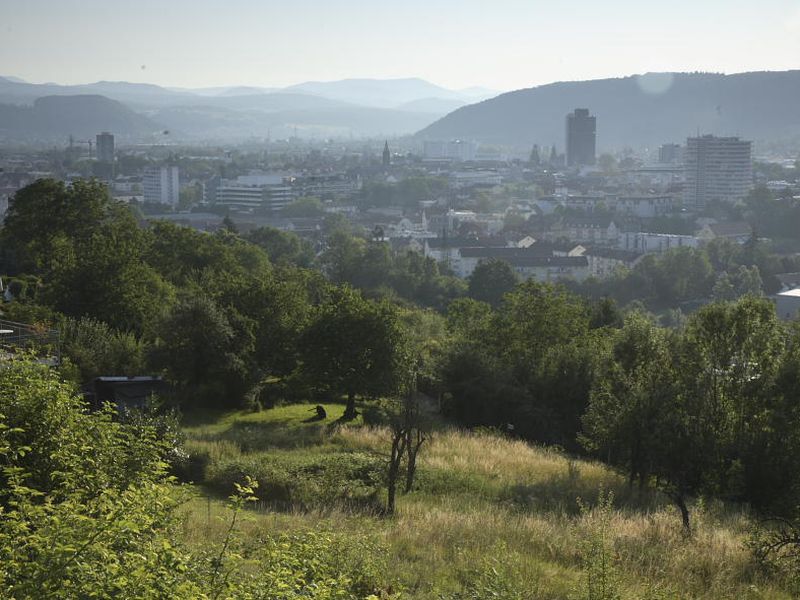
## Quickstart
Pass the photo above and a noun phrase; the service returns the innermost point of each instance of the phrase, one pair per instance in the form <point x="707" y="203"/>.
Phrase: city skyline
<point x="456" y="45"/>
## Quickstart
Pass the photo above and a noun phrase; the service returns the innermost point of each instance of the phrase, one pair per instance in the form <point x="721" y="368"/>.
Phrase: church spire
<point x="387" y="156"/>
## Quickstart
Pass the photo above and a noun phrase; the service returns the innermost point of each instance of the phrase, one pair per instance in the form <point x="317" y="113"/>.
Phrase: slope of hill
<point x="636" y="111"/>
<point x="489" y="517"/>
<point x="59" y="116"/>
<point x="439" y="106"/>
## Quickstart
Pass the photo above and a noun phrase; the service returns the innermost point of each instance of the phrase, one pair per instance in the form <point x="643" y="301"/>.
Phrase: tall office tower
<point x="581" y="138"/>
<point x="104" y="147"/>
<point x="716" y="168"/>
<point x="161" y="185"/>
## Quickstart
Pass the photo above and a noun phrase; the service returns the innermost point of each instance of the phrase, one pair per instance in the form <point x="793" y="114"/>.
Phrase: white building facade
<point x="161" y="185"/>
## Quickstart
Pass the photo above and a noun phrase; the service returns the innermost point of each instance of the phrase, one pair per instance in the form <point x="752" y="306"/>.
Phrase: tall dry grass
<point x="486" y="504"/>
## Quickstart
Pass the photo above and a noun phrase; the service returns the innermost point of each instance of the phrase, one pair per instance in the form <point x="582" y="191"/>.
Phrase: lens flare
<point x="654" y="83"/>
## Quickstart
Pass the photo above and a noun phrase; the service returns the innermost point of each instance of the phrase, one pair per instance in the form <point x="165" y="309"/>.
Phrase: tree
<point x="108" y="280"/>
<point x="47" y="218"/>
<point x="282" y="247"/>
<point x="304" y="207"/>
<point x="355" y="347"/>
<point x="97" y="349"/>
<point x="714" y="427"/>
<point x="607" y="163"/>
<point x="204" y="351"/>
<point x="633" y="388"/>
<point x="491" y="280"/>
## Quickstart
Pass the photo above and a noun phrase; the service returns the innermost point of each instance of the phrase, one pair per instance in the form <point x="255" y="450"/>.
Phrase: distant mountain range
<point x="637" y="111"/>
<point x="388" y="93"/>
<point x="353" y="107"/>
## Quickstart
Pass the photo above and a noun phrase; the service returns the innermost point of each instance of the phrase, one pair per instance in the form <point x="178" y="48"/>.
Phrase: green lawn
<point x="490" y="517"/>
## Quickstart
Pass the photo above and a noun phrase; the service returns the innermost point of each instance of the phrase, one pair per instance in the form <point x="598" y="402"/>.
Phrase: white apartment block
<point x="716" y="169"/>
<point x="161" y="185"/>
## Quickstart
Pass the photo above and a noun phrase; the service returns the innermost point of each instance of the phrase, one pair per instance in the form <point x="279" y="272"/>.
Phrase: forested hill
<point x="82" y="116"/>
<point x="636" y="111"/>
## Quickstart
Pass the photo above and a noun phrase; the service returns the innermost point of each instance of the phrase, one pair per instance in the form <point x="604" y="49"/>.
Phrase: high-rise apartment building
<point x="716" y="168"/>
<point x="581" y="138"/>
<point x="104" y="147"/>
<point x="161" y="185"/>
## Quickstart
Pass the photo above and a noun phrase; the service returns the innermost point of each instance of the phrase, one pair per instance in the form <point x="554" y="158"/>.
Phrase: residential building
<point x="446" y="249"/>
<point x="161" y="185"/>
<point x="532" y="261"/>
<point x="735" y="231"/>
<point x="787" y="304"/>
<point x="326" y="186"/>
<point x="592" y="230"/>
<point x="479" y="178"/>
<point x="457" y="150"/>
<point x="581" y="138"/>
<point x="716" y="169"/>
<point x="604" y="262"/>
<point x="647" y="206"/>
<point x="655" y="243"/>
<point x="551" y="268"/>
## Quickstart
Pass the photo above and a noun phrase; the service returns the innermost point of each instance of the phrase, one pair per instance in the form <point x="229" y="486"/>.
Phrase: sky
<point x="499" y="44"/>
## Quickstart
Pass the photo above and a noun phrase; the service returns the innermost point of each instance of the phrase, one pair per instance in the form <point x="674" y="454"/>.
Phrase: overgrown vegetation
<point x="697" y="425"/>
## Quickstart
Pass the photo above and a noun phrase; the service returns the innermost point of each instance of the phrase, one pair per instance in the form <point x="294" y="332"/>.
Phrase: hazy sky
<point x="502" y="44"/>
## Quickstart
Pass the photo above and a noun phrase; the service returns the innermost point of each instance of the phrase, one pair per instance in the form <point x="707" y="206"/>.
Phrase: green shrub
<point x="304" y="480"/>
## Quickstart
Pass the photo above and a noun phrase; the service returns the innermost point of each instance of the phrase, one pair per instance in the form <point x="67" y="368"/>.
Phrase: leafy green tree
<point x="304" y="207"/>
<point x="633" y="388"/>
<point x="342" y="259"/>
<point x="355" y="347"/>
<point x="108" y="280"/>
<point x="46" y="219"/>
<point x="96" y="349"/>
<point x="282" y="247"/>
<point x="180" y="255"/>
<point x="491" y="280"/>
<point x="204" y="351"/>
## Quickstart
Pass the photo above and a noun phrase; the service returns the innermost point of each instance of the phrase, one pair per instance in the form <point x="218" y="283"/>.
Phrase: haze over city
<point x="456" y="44"/>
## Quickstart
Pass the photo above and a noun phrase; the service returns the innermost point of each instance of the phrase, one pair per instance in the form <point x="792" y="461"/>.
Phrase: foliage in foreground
<point x="87" y="511"/>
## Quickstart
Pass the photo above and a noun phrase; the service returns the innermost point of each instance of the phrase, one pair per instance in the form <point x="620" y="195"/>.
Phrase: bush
<point x="304" y="480"/>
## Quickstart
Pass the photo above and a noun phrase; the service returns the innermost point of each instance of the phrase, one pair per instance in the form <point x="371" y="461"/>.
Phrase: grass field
<point x="490" y="518"/>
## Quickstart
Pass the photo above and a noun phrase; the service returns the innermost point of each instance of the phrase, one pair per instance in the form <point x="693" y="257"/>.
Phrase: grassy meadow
<point x="489" y="517"/>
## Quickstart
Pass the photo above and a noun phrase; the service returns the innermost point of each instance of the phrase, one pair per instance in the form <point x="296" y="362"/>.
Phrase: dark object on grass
<point x="320" y="416"/>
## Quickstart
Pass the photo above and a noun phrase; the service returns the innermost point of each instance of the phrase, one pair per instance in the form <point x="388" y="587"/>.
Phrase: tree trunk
<point x="410" y="472"/>
<point x="391" y="494"/>
<point x="350" y="412"/>
<point x="396" y="457"/>
<point x="680" y="502"/>
<point x="412" y="449"/>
